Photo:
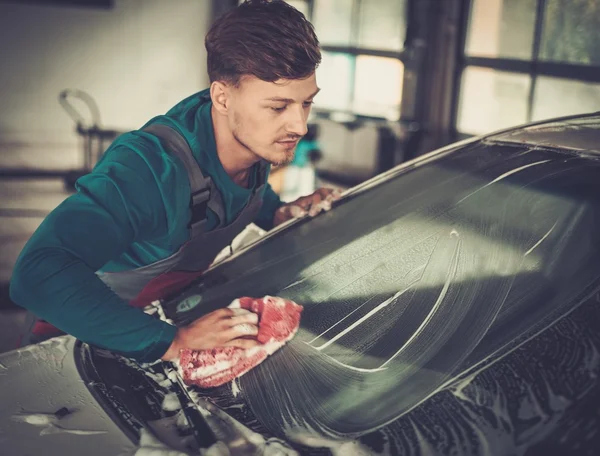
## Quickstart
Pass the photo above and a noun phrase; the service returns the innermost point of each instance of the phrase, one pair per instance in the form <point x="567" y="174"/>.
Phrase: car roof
<point x="579" y="133"/>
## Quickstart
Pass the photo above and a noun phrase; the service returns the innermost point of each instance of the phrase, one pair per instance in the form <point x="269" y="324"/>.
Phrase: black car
<point x="451" y="306"/>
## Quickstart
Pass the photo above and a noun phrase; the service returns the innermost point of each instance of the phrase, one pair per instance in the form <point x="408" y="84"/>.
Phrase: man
<point x="165" y="199"/>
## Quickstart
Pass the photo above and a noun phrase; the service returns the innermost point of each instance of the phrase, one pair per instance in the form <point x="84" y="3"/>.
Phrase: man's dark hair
<point x="268" y="39"/>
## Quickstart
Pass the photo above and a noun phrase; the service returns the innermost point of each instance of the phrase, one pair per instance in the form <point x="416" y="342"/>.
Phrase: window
<point x="528" y="60"/>
<point x="501" y="29"/>
<point x="301" y="5"/>
<point x="334" y="76"/>
<point x="362" y="67"/>
<point x="571" y="32"/>
<point x="555" y="97"/>
<point x="382" y="24"/>
<point x="505" y="96"/>
<point x="104" y="4"/>
<point x="377" y="86"/>
<point x="332" y="20"/>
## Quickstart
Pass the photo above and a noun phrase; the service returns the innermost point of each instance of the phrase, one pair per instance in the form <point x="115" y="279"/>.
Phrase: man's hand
<point x="312" y="205"/>
<point x="221" y="328"/>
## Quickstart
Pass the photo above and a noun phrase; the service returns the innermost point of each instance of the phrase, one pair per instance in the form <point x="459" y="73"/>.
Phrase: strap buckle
<point x="198" y="206"/>
<point x="200" y="196"/>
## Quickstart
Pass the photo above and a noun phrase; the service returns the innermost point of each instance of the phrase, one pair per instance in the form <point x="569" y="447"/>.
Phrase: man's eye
<point x="308" y="103"/>
<point x="278" y="109"/>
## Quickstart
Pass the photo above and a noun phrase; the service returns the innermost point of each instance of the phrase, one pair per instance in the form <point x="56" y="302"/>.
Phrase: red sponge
<point x="278" y="322"/>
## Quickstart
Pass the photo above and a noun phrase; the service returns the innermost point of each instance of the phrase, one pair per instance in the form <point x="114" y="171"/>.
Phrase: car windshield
<point x="431" y="274"/>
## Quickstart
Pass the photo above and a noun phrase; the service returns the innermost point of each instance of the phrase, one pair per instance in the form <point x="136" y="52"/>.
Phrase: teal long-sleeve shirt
<point x="131" y="211"/>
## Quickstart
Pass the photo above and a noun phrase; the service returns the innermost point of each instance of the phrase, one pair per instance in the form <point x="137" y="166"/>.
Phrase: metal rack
<point x="95" y="138"/>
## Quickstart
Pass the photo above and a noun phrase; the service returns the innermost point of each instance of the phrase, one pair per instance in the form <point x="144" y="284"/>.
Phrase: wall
<point x="136" y="59"/>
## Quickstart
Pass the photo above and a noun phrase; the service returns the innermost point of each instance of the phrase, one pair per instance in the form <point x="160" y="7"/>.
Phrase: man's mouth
<point x="288" y="144"/>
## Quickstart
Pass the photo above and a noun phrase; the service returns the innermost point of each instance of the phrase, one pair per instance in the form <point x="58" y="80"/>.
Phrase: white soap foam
<point x="171" y="403"/>
<point x="151" y="446"/>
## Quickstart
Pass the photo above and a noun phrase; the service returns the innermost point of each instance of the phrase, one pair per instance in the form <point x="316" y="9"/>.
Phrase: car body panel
<point x="36" y="382"/>
<point x="451" y="307"/>
<point x="576" y="133"/>
<point x="482" y="249"/>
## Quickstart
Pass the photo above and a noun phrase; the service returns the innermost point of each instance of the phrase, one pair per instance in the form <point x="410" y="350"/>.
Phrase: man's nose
<point x="296" y="122"/>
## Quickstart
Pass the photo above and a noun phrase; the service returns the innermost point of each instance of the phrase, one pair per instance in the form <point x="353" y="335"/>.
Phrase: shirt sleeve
<point x="271" y="203"/>
<point x="55" y="278"/>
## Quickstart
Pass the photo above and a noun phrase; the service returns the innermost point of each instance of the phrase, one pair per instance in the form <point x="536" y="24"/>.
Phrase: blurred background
<point x="399" y="78"/>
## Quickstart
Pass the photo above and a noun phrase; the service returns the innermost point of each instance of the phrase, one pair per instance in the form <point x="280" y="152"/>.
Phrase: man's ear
<point x="220" y="94"/>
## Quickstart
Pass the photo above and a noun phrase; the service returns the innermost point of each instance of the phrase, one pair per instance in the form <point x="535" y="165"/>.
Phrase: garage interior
<point x="399" y="78"/>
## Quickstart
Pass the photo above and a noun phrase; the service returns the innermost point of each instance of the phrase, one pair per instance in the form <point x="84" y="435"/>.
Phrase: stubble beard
<point x="289" y="156"/>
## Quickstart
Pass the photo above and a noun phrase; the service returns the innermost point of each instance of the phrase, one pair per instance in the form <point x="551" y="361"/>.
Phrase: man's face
<point x="269" y="118"/>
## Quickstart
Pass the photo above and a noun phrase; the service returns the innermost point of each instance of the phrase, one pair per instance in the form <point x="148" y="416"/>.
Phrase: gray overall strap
<point x="201" y="187"/>
<point x="262" y="174"/>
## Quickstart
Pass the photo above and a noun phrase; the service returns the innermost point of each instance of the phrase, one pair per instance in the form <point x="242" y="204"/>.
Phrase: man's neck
<point x="236" y="159"/>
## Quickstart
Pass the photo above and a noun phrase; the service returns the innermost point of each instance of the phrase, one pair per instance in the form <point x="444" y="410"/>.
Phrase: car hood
<point x="40" y="380"/>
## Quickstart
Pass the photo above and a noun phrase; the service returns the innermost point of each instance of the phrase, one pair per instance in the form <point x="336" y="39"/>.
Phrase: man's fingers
<point x="290" y="211"/>
<point x="326" y="205"/>
<point x="225" y="312"/>
<point x="311" y="205"/>
<point x="307" y="201"/>
<point x="235" y="311"/>
<point x="323" y="205"/>
<point x="330" y="194"/>
<point x="335" y="194"/>
<point x="322" y="200"/>
<point x="324" y="192"/>
<point x="296" y="211"/>
<point x="242" y="330"/>
<point x="314" y="210"/>
<point x="316" y="198"/>
<point x="243" y="343"/>
<point x="243" y="318"/>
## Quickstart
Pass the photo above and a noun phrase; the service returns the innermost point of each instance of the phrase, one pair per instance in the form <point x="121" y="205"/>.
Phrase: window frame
<point x="356" y="51"/>
<point x="534" y="68"/>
